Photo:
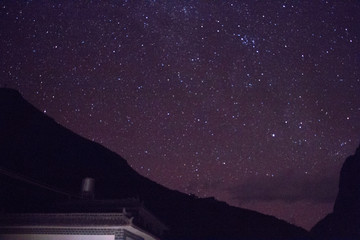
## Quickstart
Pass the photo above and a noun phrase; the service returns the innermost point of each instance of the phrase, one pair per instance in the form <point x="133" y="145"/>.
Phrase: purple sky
<point x="253" y="102"/>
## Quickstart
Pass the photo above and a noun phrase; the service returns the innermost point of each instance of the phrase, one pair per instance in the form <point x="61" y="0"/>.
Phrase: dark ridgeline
<point x="34" y="145"/>
<point x="344" y="221"/>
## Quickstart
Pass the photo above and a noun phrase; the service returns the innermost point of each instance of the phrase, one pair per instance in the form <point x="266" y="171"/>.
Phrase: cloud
<point x="288" y="187"/>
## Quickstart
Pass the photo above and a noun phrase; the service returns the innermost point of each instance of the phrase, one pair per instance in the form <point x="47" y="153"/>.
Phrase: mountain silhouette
<point x="35" y="149"/>
<point x="344" y="221"/>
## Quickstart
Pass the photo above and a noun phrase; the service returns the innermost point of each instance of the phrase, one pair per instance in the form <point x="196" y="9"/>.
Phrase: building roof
<point x="127" y="213"/>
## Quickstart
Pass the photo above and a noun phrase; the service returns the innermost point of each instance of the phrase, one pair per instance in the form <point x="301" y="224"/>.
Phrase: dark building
<point x="84" y="218"/>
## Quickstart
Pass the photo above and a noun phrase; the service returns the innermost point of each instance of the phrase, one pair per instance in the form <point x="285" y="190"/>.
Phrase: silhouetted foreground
<point x="35" y="147"/>
<point x="344" y="222"/>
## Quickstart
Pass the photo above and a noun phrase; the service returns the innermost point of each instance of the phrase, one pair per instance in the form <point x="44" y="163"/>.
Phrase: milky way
<point x="253" y="102"/>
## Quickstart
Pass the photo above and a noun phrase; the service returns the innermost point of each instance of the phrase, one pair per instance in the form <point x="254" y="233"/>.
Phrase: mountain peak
<point x="344" y="221"/>
<point x="348" y="199"/>
<point x="9" y="92"/>
<point x="9" y="95"/>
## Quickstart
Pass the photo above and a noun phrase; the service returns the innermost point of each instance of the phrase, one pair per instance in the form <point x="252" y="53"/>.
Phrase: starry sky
<point x="253" y="102"/>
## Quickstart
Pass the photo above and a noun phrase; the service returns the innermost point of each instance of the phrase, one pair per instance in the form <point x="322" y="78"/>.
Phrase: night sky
<point x="253" y="102"/>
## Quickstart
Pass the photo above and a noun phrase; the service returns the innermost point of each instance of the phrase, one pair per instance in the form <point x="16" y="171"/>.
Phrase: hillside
<point x="34" y="145"/>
